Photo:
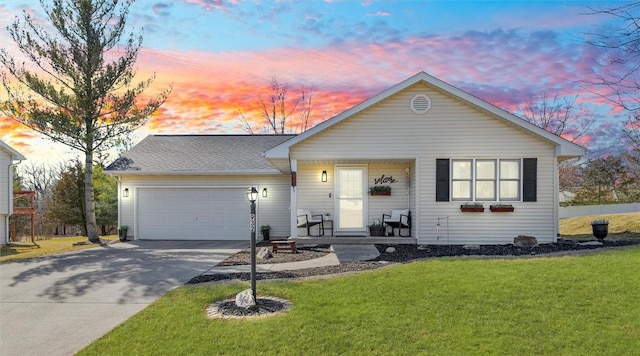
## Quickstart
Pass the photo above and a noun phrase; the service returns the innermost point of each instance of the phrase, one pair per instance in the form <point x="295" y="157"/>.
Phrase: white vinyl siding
<point x="5" y="160"/>
<point x="450" y="129"/>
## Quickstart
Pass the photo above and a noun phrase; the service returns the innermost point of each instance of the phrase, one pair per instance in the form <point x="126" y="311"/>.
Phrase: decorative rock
<point x="390" y="250"/>
<point x="471" y="247"/>
<point x="566" y="242"/>
<point x="264" y="254"/>
<point x="423" y="247"/>
<point x="590" y="243"/>
<point x="525" y="241"/>
<point x="245" y="299"/>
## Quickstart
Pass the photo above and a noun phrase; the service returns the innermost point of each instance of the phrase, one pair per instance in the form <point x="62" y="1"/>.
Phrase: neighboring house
<point x="8" y="158"/>
<point x="436" y="146"/>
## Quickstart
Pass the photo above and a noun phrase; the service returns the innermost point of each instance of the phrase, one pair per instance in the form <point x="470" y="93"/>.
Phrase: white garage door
<point x="192" y="214"/>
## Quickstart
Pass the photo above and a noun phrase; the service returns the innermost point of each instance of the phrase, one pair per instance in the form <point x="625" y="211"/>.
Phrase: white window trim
<point x="496" y="181"/>
<point x="519" y="180"/>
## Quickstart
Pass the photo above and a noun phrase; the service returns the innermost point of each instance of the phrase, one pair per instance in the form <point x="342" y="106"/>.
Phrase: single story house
<point x="8" y="156"/>
<point x="434" y="146"/>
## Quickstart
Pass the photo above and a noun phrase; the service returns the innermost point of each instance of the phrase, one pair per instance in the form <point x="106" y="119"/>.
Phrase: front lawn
<point x="621" y="227"/>
<point x="53" y="246"/>
<point x="581" y="305"/>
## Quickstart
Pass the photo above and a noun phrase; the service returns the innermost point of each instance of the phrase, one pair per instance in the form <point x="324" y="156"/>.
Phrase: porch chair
<point x="306" y="219"/>
<point x="398" y="219"/>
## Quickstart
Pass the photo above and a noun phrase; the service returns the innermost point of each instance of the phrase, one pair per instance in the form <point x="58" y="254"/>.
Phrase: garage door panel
<point x="192" y="214"/>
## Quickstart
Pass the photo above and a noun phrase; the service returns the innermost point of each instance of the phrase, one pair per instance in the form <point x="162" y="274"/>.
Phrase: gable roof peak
<point x="567" y="148"/>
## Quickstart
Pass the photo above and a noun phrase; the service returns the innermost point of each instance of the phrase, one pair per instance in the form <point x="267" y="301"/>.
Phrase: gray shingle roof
<point x="214" y="154"/>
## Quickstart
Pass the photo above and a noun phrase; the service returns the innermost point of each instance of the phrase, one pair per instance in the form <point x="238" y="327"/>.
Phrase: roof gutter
<point x="193" y="172"/>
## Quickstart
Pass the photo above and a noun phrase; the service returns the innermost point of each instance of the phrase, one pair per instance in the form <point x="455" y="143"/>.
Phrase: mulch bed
<point x="402" y="254"/>
<point x="304" y="253"/>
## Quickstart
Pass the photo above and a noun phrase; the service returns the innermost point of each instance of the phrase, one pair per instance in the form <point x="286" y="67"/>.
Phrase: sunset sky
<point x="221" y="55"/>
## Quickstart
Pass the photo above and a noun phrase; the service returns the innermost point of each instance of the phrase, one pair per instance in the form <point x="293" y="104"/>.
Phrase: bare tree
<point x="281" y="112"/>
<point x="42" y="179"/>
<point x="85" y="94"/>
<point x="559" y="116"/>
<point x="620" y="67"/>
<point x="606" y="180"/>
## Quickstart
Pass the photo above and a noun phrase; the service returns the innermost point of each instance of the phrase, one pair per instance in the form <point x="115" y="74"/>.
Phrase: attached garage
<point x="192" y="213"/>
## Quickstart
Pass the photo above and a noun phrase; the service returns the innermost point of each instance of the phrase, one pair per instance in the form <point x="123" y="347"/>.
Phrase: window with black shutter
<point x="529" y="179"/>
<point x="442" y="180"/>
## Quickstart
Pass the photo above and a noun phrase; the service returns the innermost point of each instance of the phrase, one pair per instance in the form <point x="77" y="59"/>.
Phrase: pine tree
<point x="82" y="92"/>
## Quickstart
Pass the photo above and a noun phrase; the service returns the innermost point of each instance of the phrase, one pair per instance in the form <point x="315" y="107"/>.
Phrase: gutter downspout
<point x="10" y="200"/>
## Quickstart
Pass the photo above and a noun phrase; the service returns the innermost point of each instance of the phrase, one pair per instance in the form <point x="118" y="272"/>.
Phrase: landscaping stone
<point x="471" y="247"/>
<point x="590" y="243"/>
<point x="245" y="299"/>
<point x="266" y="306"/>
<point x="525" y="241"/>
<point x="264" y="254"/>
<point x="390" y="249"/>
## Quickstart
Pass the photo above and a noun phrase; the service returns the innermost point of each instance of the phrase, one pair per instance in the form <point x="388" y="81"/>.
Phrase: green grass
<point x="578" y="305"/>
<point x="57" y="245"/>
<point x="621" y="226"/>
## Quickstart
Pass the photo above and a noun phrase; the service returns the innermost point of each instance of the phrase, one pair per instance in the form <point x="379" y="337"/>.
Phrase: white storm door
<point x="350" y="199"/>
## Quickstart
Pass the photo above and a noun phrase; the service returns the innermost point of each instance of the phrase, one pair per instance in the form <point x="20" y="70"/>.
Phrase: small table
<point x="330" y="221"/>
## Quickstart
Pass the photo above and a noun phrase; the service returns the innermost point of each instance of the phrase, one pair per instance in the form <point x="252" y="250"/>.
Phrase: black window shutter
<point x="529" y="179"/>
<point x="442" y="180"/>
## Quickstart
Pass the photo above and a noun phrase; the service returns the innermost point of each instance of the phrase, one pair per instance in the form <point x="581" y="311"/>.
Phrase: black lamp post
<point x="252" y="195"/>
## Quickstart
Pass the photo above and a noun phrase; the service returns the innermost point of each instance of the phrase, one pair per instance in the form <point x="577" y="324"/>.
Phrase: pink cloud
<point x="504" y="68"/>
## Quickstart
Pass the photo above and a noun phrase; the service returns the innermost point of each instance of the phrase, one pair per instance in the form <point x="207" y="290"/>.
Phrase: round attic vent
<point x="420" y="103"/>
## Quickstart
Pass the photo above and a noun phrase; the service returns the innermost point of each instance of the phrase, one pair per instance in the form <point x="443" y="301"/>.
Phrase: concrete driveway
<point x="59" y="304"/>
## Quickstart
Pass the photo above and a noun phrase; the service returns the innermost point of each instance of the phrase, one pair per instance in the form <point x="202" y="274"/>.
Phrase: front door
<point x="350" y="198"/>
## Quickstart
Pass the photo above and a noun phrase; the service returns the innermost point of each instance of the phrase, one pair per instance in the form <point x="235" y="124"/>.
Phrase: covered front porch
<point x="350" y="196"/>
<point x="360" y="240"/>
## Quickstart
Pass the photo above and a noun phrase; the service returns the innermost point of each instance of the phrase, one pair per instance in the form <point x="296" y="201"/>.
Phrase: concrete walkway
<point x="340" y="254"/>
<point x="57" y="305"/>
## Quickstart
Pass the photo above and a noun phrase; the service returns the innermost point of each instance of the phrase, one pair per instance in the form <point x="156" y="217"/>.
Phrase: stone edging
<point x="214" y="311"/>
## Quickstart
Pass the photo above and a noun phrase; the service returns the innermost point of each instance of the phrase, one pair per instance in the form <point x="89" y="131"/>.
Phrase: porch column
<point x="294" y="199"/>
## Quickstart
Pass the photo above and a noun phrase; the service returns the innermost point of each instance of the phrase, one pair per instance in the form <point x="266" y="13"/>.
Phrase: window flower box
<point x="472" y="208"/>
<point x="501" y="208"/>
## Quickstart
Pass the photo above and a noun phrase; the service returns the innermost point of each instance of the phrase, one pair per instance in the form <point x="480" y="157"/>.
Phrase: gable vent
<point x="420" y="104"/>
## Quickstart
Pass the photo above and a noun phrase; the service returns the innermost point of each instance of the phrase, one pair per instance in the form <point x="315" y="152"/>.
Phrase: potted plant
<point x="600" y="228"/>
<point x="472" y="207"/>
<point x="380" y="190"/>
<point x="501" y="208"/>
<point x="122" y="232"/>
<point x="376" y="229"/>
<point x="264" y="229"/>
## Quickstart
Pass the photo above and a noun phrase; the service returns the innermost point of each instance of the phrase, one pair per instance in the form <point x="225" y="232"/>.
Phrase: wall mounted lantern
<point x="324" y="176"/>
<point x="125" y="193"/>
<point x="264" y="192"/>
